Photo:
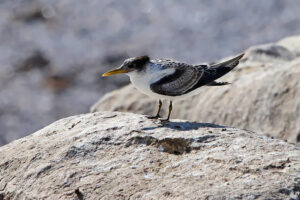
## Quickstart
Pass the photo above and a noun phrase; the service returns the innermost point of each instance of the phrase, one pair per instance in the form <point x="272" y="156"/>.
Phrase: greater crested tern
<point x="172" y="80"/>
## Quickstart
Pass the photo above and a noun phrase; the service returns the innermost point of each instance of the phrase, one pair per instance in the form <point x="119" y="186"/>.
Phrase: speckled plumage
<point x="172" y="80"/>
<point x="187" y="78"/>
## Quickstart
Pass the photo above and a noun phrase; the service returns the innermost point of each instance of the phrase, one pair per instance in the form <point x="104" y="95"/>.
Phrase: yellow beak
<point x="115" y="71"/>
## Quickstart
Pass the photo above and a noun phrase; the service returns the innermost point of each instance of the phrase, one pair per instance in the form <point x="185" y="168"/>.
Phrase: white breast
<point x="143" y="80"/>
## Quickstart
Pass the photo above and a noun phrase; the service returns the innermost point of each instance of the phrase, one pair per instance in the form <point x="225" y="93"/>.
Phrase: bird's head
<point x="130" y="65"/>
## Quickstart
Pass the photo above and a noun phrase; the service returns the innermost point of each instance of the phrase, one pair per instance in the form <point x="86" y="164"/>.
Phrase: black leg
<point x="158" y="111"/>
<point x="159" y="107"/>
<point x="170" y="110"/>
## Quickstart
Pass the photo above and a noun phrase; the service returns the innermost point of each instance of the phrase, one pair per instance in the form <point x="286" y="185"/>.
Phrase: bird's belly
<point x="143" y="85"/>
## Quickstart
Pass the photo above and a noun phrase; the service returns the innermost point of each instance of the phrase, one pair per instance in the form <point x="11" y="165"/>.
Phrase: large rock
<point x="264" y="96"/>
<point x="111" y="155"/>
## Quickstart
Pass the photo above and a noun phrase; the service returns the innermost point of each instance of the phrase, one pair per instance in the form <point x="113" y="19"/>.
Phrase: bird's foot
<point x="153" y="117"/>
<point x="165" y="120"/>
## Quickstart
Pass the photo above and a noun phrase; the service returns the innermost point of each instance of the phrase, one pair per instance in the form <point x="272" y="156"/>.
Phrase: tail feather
<point x="218" y="70"/>
<point x="215" y="71"/>
<point x="215" y="83"/>
<point x="232" y="63"/>
<point x="223" y="68"/>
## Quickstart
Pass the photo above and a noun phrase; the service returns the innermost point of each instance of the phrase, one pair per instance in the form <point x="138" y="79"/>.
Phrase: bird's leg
<point x="170" y="110"/>
<point x="158" y="111"/>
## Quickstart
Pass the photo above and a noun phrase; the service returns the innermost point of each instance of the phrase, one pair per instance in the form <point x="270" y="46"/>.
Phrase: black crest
<point x="139" y="62"/>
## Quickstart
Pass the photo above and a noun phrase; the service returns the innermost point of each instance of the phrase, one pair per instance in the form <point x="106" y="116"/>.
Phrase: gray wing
<point x="183" y="79"/>
<point x="187" y="78"/>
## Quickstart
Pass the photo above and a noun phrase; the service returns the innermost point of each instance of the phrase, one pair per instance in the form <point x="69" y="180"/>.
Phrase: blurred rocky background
<point x="53" y="52"/>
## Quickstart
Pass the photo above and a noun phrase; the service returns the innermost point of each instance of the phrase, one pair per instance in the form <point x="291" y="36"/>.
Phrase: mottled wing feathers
<point x="184" y="77"/>
<point x="187" y="78"/>
<point x="216" y="71"/>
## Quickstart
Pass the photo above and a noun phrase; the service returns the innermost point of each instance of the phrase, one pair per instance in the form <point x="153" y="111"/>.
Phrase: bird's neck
<point x="152" y="73"/>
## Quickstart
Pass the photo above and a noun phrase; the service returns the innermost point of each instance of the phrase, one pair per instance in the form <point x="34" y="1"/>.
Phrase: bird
<point x="166" y="79"/>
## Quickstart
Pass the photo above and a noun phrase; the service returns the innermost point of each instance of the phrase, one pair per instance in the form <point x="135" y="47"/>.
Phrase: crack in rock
<point x="79" y="151"/>
<point x="278" y="165"/>
<point x="88" y="148"/>
<point x="175" y="146"/>
<point x="43" y="170"/>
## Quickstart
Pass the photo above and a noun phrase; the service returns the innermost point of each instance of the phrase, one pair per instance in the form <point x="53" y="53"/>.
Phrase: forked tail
<point x="215" y="71"/>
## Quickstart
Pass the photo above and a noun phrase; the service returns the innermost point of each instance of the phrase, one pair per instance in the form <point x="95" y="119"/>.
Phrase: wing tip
<point x="238" y="57"/>
<point x="241" y="55"/>
<point x="231" y="63"/>
<point x="236" y="60"/>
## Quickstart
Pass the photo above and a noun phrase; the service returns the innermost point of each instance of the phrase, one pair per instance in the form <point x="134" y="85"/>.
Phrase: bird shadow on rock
<point x="183" y="126"/>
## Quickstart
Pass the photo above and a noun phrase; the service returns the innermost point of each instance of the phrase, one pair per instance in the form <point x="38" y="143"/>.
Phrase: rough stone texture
<point x="111" y="155"/>
<point x="53" y="52"/>
<point x="264" y="96"/>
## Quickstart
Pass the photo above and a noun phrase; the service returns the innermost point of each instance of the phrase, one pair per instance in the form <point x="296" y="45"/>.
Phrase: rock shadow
<point x="183" y="126"/>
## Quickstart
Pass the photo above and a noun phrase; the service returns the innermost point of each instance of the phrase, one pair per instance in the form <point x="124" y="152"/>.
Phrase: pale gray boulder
<point x="112" y="155"/>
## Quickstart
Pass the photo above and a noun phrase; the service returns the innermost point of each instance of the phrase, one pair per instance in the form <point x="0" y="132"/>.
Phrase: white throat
<point x="143" y="79"/>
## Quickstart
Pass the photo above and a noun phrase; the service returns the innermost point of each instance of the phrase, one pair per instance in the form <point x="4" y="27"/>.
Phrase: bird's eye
<point x="133" y="65"/>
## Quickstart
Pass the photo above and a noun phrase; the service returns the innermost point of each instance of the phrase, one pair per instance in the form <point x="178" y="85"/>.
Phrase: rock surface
<point x="53" y="52"/>
<point x="111" y="155"/>
<point x="264" y="96"/>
